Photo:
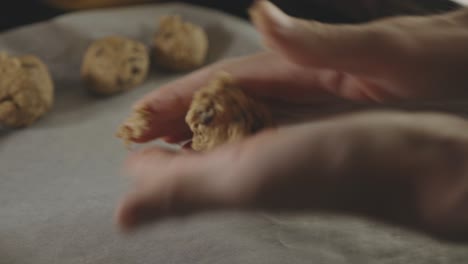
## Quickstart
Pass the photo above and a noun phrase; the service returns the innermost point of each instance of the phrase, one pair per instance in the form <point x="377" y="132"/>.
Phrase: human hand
<point x="414" y="57"/>
<point x="326" y="72"/>
<point x="289" y="91"/>
<point x="319" y="65"/>
<point x="407" y="169"/>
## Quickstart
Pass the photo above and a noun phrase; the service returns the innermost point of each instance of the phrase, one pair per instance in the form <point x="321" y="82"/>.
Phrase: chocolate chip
<point x="207" y="117"/>
<point x="240" y="116"/>
<point x="120" y="81"/>
<point x="136" y="70"/>
<point x="167" y="35"/>
<point x="133" y="59"/>
<point x="99" y="52"/>
<point x="28" y="65"/>
<point x="257" y="125"/>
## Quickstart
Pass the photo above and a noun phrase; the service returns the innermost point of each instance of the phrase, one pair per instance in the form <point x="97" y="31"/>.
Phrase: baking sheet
<point x="60" y="179"/>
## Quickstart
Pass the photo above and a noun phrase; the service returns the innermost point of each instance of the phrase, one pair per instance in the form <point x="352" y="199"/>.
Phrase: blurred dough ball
<point x="115" y="64"/>
<point x="26" y="90"/>
<point x="221" y="112"/>
<point x="179" y="45"/>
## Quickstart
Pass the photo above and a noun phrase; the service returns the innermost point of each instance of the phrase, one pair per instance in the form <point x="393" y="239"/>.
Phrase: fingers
<point x="400" y="168"/>
<point x="395" y="54"/>
<point x="150" y="169"/>
<point x="279" y="79"/>
<point x="350" y="48"/>
<point x="169" y="183"/>
<point x="135" y="210"/>
<point x="168" y="105"/>
<point x="150" y="160"/>
<point x="177" y="138"/>
<point x="175" y="130"/>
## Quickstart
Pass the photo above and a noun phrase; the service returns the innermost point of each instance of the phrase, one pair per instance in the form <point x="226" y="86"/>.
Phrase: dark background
<point x="20" y="12"/>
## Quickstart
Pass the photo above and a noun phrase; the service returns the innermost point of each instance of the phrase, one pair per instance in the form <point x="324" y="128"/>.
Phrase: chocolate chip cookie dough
<point x="221" y="112"/>
<point x="134" y="126"/>
<point x="115" y="64"/>
<point x="26" y="90"/>
<point x="179" y="45"/>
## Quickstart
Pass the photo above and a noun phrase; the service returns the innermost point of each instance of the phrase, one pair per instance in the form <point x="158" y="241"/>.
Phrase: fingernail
<point x="123" y="220"/>
<point x="265" y="14"/>
<point x="254" y="12"/>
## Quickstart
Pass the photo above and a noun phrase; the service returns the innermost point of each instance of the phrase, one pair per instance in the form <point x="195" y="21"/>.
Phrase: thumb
<point x="351" y="48"/>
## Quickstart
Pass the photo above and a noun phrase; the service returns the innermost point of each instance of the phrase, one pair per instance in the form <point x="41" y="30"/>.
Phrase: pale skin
<point x="404" y="168"/>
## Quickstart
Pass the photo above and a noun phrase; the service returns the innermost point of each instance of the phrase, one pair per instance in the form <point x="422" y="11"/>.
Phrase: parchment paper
<point x="60" y="179"/>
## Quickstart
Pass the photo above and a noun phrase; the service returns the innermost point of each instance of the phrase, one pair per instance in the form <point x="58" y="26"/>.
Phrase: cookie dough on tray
<point x="180" y="45"/>
<point x="26" y="90"/>
<point x="221" y="112"/>
<point x="115" y="64"/>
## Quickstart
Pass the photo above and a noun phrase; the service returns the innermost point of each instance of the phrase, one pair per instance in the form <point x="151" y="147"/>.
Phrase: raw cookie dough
<point x="115" y="64"/>
<point x="26" y="90"/>
<point x="221" y="112"/>
<point x="179" y="45"/>
<point x="134" y="126"/>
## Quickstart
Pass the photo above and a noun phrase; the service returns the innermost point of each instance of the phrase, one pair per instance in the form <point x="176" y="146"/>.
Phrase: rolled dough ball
<point x="221" y="112"/>
<point x="134" y="126"/>
<point x="179" y="45"/>
<point x="26" y="90"/>
<point x="115" y="64"/>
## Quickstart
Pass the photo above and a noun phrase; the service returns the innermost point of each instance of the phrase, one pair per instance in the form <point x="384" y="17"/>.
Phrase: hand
<point x="408" y="169"/>
<point x="392" y="59"/>
<point x="291" y="92"/>
<point x="324" y="64"/>
<point x="320" y="65"/>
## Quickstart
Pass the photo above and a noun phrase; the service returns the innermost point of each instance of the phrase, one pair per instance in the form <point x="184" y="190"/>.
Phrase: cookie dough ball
<point x="179" y="45"/>
<point x="115" y="64"/>
<point x="221" y="112"/>
<point x="26" y="90"/>
<point x="135" y="126"/>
